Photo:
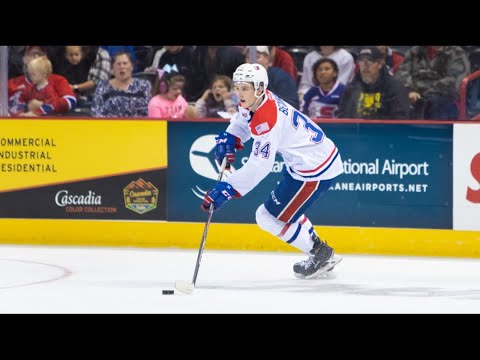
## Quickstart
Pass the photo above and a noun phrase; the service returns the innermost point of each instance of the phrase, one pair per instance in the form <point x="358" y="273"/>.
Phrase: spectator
<point x="374" y="94"/>
<point x="83" y="74"/>
<point x="280" y="83"/>
<point x="432" y="75"/>
<point x="66" y="98"/>
<point x="123" y="95"/>
<point x="391" y="58"/>
<point x="130" y="49"/>
<point x="75" y="66"/>
<point x="39" y="98"/>
<point x="217" y="98"/>
<point x="283" y="60"/>
<point x="321" y="100"/>
<point x="344" y="60"/>
<point x="167" y="100"/>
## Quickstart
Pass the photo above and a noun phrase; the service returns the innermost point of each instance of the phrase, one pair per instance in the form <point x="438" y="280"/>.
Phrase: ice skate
<point x="322" y="259"/>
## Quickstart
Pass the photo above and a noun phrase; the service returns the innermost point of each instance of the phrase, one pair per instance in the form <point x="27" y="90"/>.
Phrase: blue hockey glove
<point x="219" y="195"/>
<point x="227" y="144"/>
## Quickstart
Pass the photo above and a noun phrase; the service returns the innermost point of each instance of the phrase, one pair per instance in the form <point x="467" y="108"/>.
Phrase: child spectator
<point x="39" y="98"/>
<point x="67" y="101"/>
<point x="84" y="67"/>
<point x="344" y="60"/>
<point x="217" y="98"/>
<point x="321" y="100"/>
<point x="167" y="100"/>
<point x="75" y="66"/>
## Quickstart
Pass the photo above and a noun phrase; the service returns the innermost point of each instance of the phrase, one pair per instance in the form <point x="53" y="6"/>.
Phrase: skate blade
<point x="329" y="265"/>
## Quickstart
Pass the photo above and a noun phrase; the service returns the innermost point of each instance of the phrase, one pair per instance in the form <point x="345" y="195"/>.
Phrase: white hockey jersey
<point x="277" y="127"/>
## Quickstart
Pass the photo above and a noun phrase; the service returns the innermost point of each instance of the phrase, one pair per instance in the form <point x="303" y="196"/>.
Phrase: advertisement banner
<point x="391" y="176"/>
<point x="466" y="177"/>
<point x="83" y="169"/>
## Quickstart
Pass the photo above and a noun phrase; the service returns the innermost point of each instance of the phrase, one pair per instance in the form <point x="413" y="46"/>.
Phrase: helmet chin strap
<point x="257" y="98"/>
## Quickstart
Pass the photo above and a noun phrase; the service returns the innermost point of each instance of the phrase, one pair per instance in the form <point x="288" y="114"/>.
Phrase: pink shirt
<point x="160" y="107"/>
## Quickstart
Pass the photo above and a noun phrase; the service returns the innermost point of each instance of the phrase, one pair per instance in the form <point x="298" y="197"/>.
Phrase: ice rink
<point x="41" y="279"/>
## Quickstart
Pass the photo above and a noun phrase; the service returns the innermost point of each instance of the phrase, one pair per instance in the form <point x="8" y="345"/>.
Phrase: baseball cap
<point x="263" y="49"/>
<point x="370" y="53"/>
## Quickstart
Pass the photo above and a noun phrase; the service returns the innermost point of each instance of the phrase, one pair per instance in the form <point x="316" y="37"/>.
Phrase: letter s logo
<point x="474" y="195"/>
<point x="327" y="111"/>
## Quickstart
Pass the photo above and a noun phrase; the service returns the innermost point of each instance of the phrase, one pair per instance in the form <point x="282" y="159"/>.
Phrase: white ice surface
<point x="40" y="279"/>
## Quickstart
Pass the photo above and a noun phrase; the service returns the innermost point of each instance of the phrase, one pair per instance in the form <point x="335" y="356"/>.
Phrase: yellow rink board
<point x="345" y="240"/>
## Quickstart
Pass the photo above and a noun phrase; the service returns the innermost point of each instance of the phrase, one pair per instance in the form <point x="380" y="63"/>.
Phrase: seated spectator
<point x="66" y="98"/>
<point x="321" y="100"/>
<point x="432" y="75"/>
<point x="75" y="66"/>
<point x="391" y="58"/>
<point x="130" y="49"/>
<point x="283" y="60"/>
<point x="279" y="82"/>
<point x="218" y="98"/>
<point x="39" y="98"/>
<point x="167" y="101"/>
<point x="95" y="65"/>
<point x="123" y="95"/>
<point x="374" y="94"/>
<point x="344" y="60"/>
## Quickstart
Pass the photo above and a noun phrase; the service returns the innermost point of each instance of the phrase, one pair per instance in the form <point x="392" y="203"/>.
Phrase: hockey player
<point x="311" y="159"/>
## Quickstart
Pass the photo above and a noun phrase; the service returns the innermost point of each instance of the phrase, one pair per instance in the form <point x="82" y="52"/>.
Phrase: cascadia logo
<point x="140" y="196"/>
<point x="202" y="161"/>
<point x="63" y="198"/>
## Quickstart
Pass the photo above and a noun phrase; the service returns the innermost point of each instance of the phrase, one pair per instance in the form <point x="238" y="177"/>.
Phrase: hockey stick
<point x="187" y="287"/>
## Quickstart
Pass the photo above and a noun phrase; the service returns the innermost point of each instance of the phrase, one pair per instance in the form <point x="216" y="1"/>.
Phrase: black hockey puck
<point x="167" y="292"/>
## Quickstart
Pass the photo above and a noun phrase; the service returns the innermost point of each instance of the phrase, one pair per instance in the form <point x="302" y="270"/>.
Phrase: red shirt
<point x="66" y="97"/>
<point x="285" y="61"/>
<point x="47" y="95"/>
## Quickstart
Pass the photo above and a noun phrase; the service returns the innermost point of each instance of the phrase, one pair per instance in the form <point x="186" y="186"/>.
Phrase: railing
<point x="462" y="111"/>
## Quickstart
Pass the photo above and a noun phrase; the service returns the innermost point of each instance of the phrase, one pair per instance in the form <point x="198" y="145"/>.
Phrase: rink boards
<point x="409" y="188"/>
<point x="421" y="242"/>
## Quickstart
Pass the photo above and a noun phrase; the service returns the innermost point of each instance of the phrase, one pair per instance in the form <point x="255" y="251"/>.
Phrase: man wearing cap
<point x="374" y="93"/>
<point x="67" y="100"/>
